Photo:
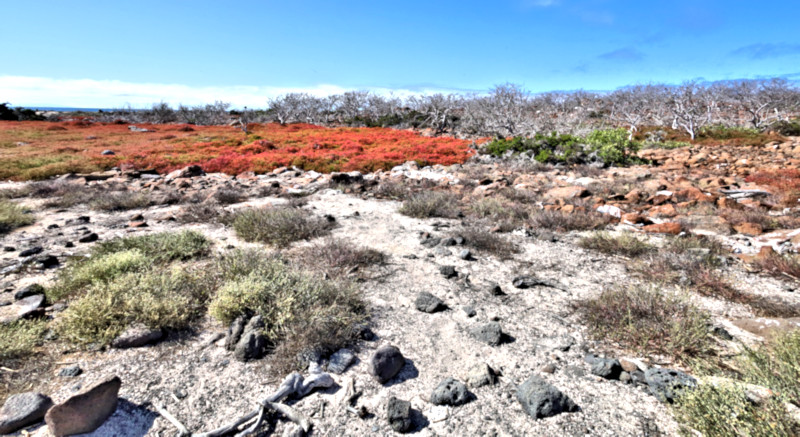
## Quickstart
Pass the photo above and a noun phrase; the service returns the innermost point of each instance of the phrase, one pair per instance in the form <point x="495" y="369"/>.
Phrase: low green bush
<point x="79" y="275"/>
<point x="18" y="339"/>
<point x="160" y="247"/>
<point x="13" y="216"/>
<point x="614" y="147"/>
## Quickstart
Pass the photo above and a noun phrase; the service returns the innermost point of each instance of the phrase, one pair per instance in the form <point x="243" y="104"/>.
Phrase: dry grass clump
<point x="229" y="196"/>
<point x="13" y="216"/>
<point x="780" y="266"/>
<point x="278" y="225"/>
<point x="18" y="339"/>
<point x="575" y="221"/>
<point x="647" y="320"/>
<point x="120" y="201"/>
<point x="206" y="212"/>
<point x="627" y="244"/>
<point x="338" y="257"/>
<point x="505" y="215"/>
<point x="302" y="313"/>
<point x="427" y="204"/>
<point x="760" y="217"/>
<point x="489" y="242"/>
<point x="725" y="409"/>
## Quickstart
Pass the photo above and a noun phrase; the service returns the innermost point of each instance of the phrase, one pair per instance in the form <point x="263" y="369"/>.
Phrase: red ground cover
<point x="36" y="150"/>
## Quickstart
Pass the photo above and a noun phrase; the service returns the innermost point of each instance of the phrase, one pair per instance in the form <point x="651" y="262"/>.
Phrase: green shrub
<point x="18" y="339"/>
<point x="647" y="320"/>
<point x="626" y="244"/>
<point x="669" y="145"/>
<point x="168" y="299"/>
<point x="12" y="216"/>
<point x="427" y="204"/>
<point x="102" y="268"/>
<point x="787" y="128"/>
<point x="722" y="132"/>
<point x="553" y="148"/>
<point x="613" y="146"/>
<point x="278" y="225"/>
<point x="160" y="247"/>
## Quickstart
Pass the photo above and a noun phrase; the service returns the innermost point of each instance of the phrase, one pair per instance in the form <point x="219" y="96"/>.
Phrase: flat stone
<point x="137" y="336"/>
<point x="29" y="290"/>
<point x="490" y="333"/>
<point x="85" y="411"/>
<point x="668" y="384"/>
<point x="31" y="251"/>
<point x="21" y="308"/>
<point x="23" y="409"/>
<point x="70" y="371"/>
<point x="340" y="361"/>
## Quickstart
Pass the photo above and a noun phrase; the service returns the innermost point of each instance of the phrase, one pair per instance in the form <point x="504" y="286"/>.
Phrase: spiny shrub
<point x="427" y="204"/>
<point x="647" y="320"/>
<point x="278" y="225"/>
<point x="12" y="216"/>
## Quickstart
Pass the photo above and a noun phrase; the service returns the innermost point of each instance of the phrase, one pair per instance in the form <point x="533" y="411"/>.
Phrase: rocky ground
<point x="196" y="379"/>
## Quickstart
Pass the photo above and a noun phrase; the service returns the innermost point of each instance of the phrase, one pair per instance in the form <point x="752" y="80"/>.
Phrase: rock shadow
<point x="409" y="371"/>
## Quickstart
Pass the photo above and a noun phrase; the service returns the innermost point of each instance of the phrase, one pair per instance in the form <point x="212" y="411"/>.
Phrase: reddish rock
<point x="633" y="218"/>
<point x="85" y="411"/>
<point x="566" y="193"/>
<point x="767" y="327"/>
<point x="137" y="224"/>
<point x="664" y="228"/>
<point x="634" y="196"/>
<point x="747" y="228"/>
<point x="667" y="210"/>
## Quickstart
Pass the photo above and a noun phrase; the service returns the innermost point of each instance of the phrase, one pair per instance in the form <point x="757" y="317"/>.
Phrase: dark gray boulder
<point x="668" y="384"/>
<point x="253" y="343"/>
<point x="428" y="303"/>
<point x="450" y="392"/>
<point x="398" y="413"/>
<point x="386" y="363"/>
<point x="29" y="290"/>
<point x="541" y="399"/>
<point x="607" y="368"/>
<point x="23" y="409"/>
<point x="235" y="332"/>
<point x="137" y="335"/>
<point x="448" y="271"/>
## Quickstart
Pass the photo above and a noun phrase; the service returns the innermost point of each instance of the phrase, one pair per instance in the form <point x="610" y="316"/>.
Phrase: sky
<point x="108" y="54"/>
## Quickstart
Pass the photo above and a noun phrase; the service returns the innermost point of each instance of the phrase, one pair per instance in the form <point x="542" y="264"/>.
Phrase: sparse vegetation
<point x="13" y="216"/>
<point x="726" y="409"/>
<point x="337" y="257"/>
<point x="648" y="320"/>
<point x="575" y="221"/>
<point x="626" y="244"/>
<point x="120" y="201"/>
<point x="159" y="247"/>
<point x="489" y="242"/>
<point x="18" y="339"/>
<point x="781" y="266"/>
<point x="278" y="225"/>
<point x="427" y="204"/>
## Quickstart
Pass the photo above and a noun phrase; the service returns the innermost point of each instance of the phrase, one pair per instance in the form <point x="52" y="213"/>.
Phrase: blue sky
<point x="108" y="53"/>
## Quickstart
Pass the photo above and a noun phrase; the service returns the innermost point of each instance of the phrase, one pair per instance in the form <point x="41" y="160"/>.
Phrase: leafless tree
<point x="764" y="101"/>
<point x="288" y="108"/>
<point x="631" y="106"/>
<point x="692" y="107"/>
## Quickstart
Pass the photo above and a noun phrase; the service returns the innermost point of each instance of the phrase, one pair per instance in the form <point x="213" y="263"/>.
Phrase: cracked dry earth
<point x="199" y="382"/>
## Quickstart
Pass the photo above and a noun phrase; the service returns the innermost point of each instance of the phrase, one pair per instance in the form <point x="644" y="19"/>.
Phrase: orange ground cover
<point x="37" y="150"/>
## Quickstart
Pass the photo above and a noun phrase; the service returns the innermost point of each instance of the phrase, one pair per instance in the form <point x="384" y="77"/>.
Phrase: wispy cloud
<point x="625" y="54"/>
<point x="89" y="93"/>
<point x="767" y="50"/>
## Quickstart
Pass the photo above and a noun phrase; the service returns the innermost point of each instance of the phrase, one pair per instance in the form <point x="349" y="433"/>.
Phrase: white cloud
<point x="90" y="93"/>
